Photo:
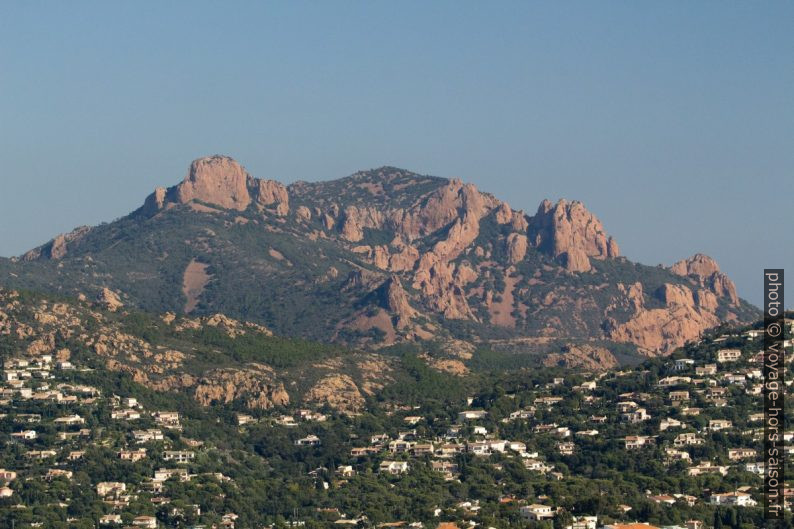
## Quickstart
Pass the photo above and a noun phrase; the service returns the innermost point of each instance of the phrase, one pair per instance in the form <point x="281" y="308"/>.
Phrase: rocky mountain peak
<point x="222" y="182"/>
<point x="698" y="265"/>
<point x="217" y="180"/>
<point x="569" y="232"/>
<point x="707" y="272"/>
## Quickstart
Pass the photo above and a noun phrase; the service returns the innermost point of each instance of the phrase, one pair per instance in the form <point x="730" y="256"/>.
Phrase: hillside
<point x="110" y="416"/>
<point x="383" y="257"/>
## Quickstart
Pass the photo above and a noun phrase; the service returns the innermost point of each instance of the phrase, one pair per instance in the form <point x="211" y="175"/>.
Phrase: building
<point x="669" y="423"/>
<point x="393" y="467"/>
<point x="566" y="448"/>
<point x="55" y="473"/>
<point x="683" y="364"/>
<point x="144" y="436"/>
<point x="471" y="415"/>
<point x="635" y="525"/>
<point x="147" y="522"/>
<point x="400" y="445"/>
<point x="179" y="456"/>
<point x="738" y="499"/>
<point x="27" y="435"/>
<point x="165" y="474"/>
<point x="243" y="419"/>
<point x="125" y="415"/>
<point x="716" y="425"/>
<point x="708" y="369"/>
<point x="584" y="522"/>
<point x="676" y="455"/>
<point x="679" y="396"/>
<point x="687" y="439"/>
<point x="309" y="440"/>
<point x="728" y="355"/>
<point x="635" y="442"/>
<point x="736" y="454"/>
<point x="537" y="512"/>
<point x="106" y="488"/>
<point x="132" y="455"/>
<point x="669" y="382"/>
<point x="705" y="467"/>
<point x="69" y="420"/>
<point x="636" y="416"/>
<point x="169" y="419"/>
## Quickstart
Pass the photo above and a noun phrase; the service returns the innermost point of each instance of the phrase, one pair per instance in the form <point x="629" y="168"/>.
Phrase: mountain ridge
<point x="455" y="262"/>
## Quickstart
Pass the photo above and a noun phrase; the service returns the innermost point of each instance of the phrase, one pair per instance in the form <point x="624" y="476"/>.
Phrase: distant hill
<point x="382" y="258"/>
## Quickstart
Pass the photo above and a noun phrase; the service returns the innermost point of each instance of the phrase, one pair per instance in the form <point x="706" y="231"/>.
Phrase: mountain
<point x="386" y="257"/>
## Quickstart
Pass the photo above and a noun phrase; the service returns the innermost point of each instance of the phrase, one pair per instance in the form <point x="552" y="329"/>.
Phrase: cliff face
<point x="706" y="271"/>
<point x="222" y="182"/>
<point x="386" y="256"/>
<point x="571" y="234"/>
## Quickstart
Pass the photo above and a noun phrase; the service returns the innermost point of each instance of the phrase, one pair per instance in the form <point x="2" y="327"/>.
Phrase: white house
<point x="394" y="467"/>
<point x="537" y="512"/>
<point x="739" y="499"/>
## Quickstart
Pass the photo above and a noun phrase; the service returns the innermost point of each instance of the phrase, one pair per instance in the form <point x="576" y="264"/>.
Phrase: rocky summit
<point x="386" y="257"/>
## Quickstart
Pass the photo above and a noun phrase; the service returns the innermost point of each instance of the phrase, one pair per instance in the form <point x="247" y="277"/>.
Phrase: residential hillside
<point x="111" y="417"/>
<point x="385" y="257"/>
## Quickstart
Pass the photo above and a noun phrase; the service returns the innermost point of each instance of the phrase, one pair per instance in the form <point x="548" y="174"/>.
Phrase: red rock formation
<point x="217" y="180"/>
<point x="516" y="247"/>
<point x="661" y="330"/>
<point x="222" y="182"/>
<point x="58" y="247"/>
<point x="706" y="270"/>
<point x="397" y="302"/>
<point x="569" y="232"/>
<point x="270" y="194"/>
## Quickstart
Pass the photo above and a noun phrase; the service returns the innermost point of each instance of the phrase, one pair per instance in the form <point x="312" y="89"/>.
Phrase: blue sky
<point x="672" y="121"/>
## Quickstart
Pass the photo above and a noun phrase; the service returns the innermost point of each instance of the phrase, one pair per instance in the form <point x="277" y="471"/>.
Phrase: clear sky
<point x="672" y="121"/>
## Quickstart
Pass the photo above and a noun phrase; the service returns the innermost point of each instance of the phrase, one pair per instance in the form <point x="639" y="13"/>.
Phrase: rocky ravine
<point x="425" y="257"/>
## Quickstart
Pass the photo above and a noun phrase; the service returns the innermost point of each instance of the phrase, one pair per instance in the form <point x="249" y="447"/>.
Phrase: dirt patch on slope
<point x="194" y="280"/>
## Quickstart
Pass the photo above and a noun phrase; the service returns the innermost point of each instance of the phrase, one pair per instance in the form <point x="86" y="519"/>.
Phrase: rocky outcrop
<point x="270" y="194"/>
<point x="154" y="202"/>
<point x="676" y="295"/>
<point x="707" y="272"/>
<point x="338" y="391"/>
<point x="231" y="327"/>
<point x="448" y="203"/>
<point x="58" y="247"/>
<point x="582" y="356"/>
<point x="355" y="219"/>
<point x="222" y="182"/>
<point x="699" y="265"/>
<point x="571" y="233"/>
<point x="396" y="301"/>
<point x="254" y="385"/>
<point x="109" y="300"/>
<point x="442" y="287"/>
<point x="517" y="245"/>
<point x="217" y="180"/>
<point x="661" y="330"/>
